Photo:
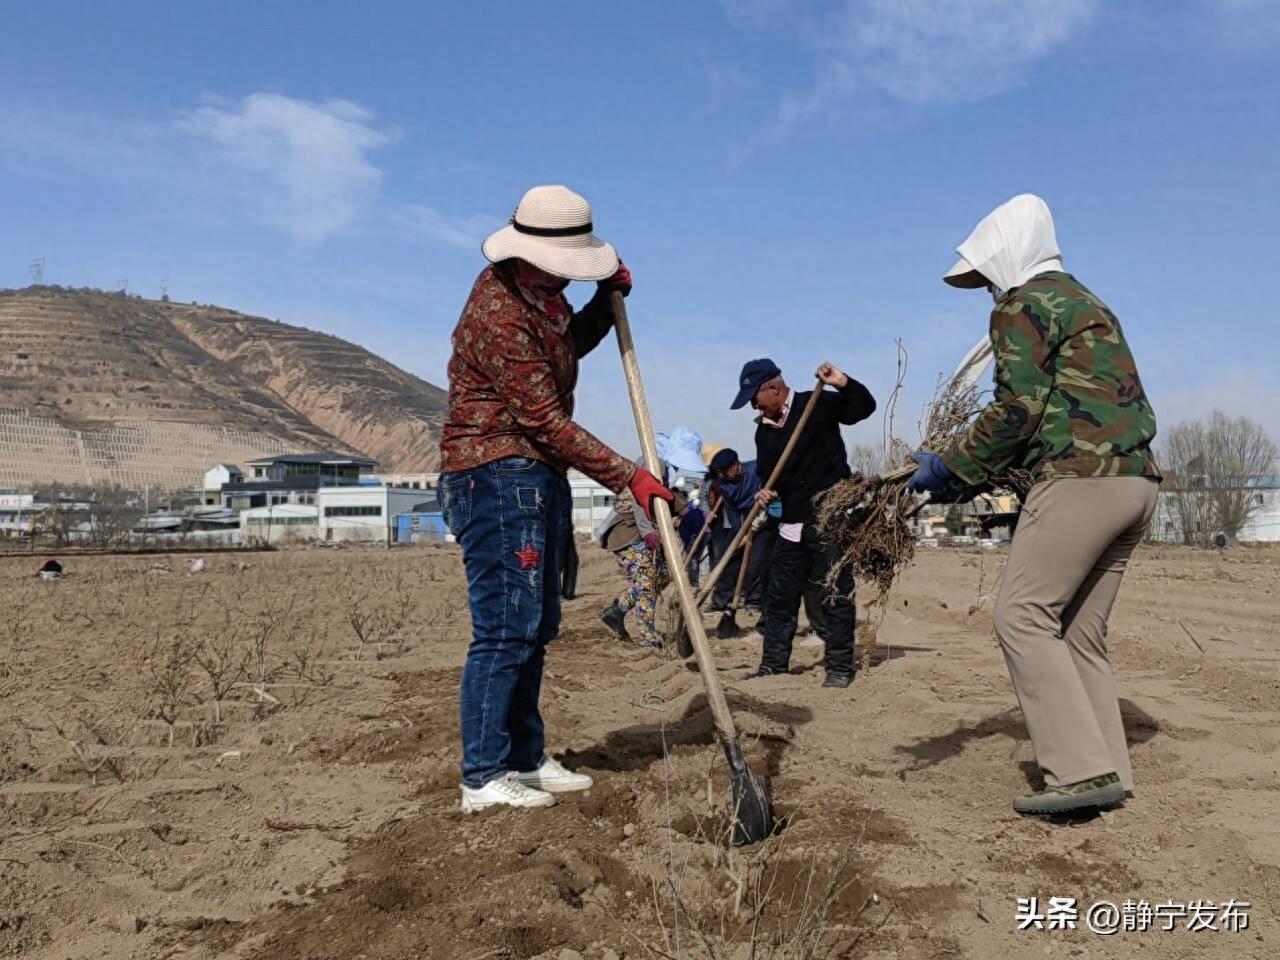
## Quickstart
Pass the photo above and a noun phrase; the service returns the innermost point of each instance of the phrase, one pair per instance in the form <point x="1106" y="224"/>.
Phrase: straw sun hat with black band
<point x="552" y="229"/>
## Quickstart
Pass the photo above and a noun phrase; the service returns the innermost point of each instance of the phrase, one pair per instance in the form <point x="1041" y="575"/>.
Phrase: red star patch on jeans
<point x="529" y="557"/>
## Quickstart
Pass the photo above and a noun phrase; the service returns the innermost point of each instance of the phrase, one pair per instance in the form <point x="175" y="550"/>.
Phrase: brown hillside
<point x="95" y="367"/>
<point x="354" y="395"/>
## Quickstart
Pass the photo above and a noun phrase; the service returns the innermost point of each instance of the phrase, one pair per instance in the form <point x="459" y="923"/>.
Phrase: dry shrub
<point x="866" y="518"/>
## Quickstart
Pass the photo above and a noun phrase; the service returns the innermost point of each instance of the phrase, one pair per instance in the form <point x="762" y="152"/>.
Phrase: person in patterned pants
<point x="628" y="533"/>
<point x="647" y="575"/>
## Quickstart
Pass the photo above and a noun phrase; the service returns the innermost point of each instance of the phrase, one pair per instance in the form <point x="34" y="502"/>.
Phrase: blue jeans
<point x="509" y="516"/>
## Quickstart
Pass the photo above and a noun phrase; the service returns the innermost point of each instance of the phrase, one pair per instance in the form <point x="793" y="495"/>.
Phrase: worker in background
<point x="736" y="484"/>
<point x="629" y="534"/>
<point x="691" y="523"/>
<point x="505" y="446"/>
<point x="1069" y="407"/>
<point x="801" y="558"/>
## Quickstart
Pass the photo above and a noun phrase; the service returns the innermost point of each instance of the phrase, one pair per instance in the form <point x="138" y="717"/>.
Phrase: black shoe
<point x="838" y="680"/>
<point x="762" y="672"/>
<point x="614" y="618"/>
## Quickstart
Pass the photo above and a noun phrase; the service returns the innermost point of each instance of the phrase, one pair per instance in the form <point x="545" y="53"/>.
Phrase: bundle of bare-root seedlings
<point x="868" y="517"/>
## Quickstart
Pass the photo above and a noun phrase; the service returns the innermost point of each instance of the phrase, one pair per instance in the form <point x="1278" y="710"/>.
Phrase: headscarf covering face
<point x="544" y="291"/>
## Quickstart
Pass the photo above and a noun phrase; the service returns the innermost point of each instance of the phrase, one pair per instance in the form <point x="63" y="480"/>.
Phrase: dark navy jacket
<point x="740" y="495"/>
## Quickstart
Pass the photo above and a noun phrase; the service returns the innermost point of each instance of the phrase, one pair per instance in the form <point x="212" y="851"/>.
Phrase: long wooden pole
<point x="706" y="527"/>
<point x="667" y="530"/>
<point x="742" y="570"/>
<point x="755" y="510"/>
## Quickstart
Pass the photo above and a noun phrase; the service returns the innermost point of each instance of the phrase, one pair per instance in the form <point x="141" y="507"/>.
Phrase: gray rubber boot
<point x="1103" y="791"/>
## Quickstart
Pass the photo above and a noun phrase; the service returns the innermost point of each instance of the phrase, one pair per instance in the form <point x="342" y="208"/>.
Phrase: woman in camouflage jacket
<point x="1068" y="407"/>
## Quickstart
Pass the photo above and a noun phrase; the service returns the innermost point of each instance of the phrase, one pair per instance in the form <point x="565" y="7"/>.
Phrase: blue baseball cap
<point x="755" y="374"/>
<point x="723" y="460"/>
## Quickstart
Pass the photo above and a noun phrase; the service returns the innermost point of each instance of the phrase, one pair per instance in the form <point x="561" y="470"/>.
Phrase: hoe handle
<point x="667" y="530"/>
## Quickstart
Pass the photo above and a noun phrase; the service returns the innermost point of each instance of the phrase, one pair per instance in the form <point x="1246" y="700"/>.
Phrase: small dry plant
<point x="170" y="666"/>
<point x="224" y="658"/>
<point x="98" y="739"/>
<point x="374" y="628"/>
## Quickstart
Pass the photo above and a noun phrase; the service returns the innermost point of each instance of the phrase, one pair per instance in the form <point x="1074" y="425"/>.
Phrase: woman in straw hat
<point x="505" y="446"/>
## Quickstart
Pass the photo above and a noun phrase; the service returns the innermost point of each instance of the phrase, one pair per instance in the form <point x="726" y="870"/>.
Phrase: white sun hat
<point x="552" y="229"/>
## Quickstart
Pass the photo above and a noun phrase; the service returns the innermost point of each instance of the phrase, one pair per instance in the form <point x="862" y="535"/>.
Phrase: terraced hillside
<point x="99" y="387"/>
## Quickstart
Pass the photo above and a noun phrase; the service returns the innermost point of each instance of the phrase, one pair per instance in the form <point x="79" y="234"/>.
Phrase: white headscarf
<point x="1012" y="244"/>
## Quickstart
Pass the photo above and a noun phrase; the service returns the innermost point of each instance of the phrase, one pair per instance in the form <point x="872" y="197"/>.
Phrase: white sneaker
<point x="555" y="779"/>
<point x="505" y="791"/>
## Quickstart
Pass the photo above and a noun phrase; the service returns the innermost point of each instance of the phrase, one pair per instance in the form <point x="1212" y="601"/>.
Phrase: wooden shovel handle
<point x="742" y="569"/>
<point x="667" y="529"/>
<point x="706" y="527"/>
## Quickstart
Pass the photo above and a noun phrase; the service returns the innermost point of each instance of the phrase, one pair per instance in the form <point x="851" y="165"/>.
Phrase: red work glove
<point x="644" y="486"/>
<point x="620" y="281"/>
<point x="653" y="542"/>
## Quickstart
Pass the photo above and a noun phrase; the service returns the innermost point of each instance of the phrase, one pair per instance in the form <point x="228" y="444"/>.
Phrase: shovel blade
<point x="684" y="643"/>
<point x="727" y="628"/>
<point x="750" y="802"/>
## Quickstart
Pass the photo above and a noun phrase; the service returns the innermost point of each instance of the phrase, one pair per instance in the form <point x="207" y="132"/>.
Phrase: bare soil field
<point x="260" y="760"/>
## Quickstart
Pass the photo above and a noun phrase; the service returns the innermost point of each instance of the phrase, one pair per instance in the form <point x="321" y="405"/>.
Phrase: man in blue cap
<point x="802" y="559"/>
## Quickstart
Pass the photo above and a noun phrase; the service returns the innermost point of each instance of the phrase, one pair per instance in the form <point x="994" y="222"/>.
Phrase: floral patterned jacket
<point x="511" y="381"/>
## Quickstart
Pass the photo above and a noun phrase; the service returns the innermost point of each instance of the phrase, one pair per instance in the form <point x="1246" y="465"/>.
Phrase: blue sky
<point x="784" y="178"/>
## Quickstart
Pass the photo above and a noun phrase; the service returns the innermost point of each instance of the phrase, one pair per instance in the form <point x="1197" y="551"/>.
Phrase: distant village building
<point x="17" y="512"/>
<point x="369" y="512"/>
<point x="1178" y="494"/>
<point x="991" y="516"/>
<point x="414" y="481"/>
<point x="293" y="479"/>
<point x="215" y="478"/>
<point x="278" y="523"/>
<point x="591" y="502"/>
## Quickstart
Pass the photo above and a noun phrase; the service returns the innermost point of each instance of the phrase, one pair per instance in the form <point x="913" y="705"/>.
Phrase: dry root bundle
<point x="867" y="517"/>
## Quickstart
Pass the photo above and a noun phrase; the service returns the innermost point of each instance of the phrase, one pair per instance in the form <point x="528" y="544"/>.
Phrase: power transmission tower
<point x="164" y="289"/>
<point x="124" y="286"/>
<point x="37" y="270"/>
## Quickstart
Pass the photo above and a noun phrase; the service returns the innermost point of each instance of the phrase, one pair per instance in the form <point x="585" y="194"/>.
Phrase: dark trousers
<point x="797" y="568"/>
<point x="754" y="588"/>
<point x="569" y="565"/>
<point x="814" y="594"/>
<point x="510" y="517"/>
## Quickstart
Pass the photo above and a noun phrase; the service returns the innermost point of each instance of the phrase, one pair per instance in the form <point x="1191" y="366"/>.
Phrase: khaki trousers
<point x="1073" y="542"/>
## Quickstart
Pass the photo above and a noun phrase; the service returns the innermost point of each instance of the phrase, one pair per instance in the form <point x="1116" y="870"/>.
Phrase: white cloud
<point x="302" y="164"/>
<point x="924" y="51"/>
<point x="465" y="233"/>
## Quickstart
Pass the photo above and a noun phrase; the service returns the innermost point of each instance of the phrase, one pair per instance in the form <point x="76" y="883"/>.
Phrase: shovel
<point x="752" y="815"/>
<point x="727" y="628"/>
